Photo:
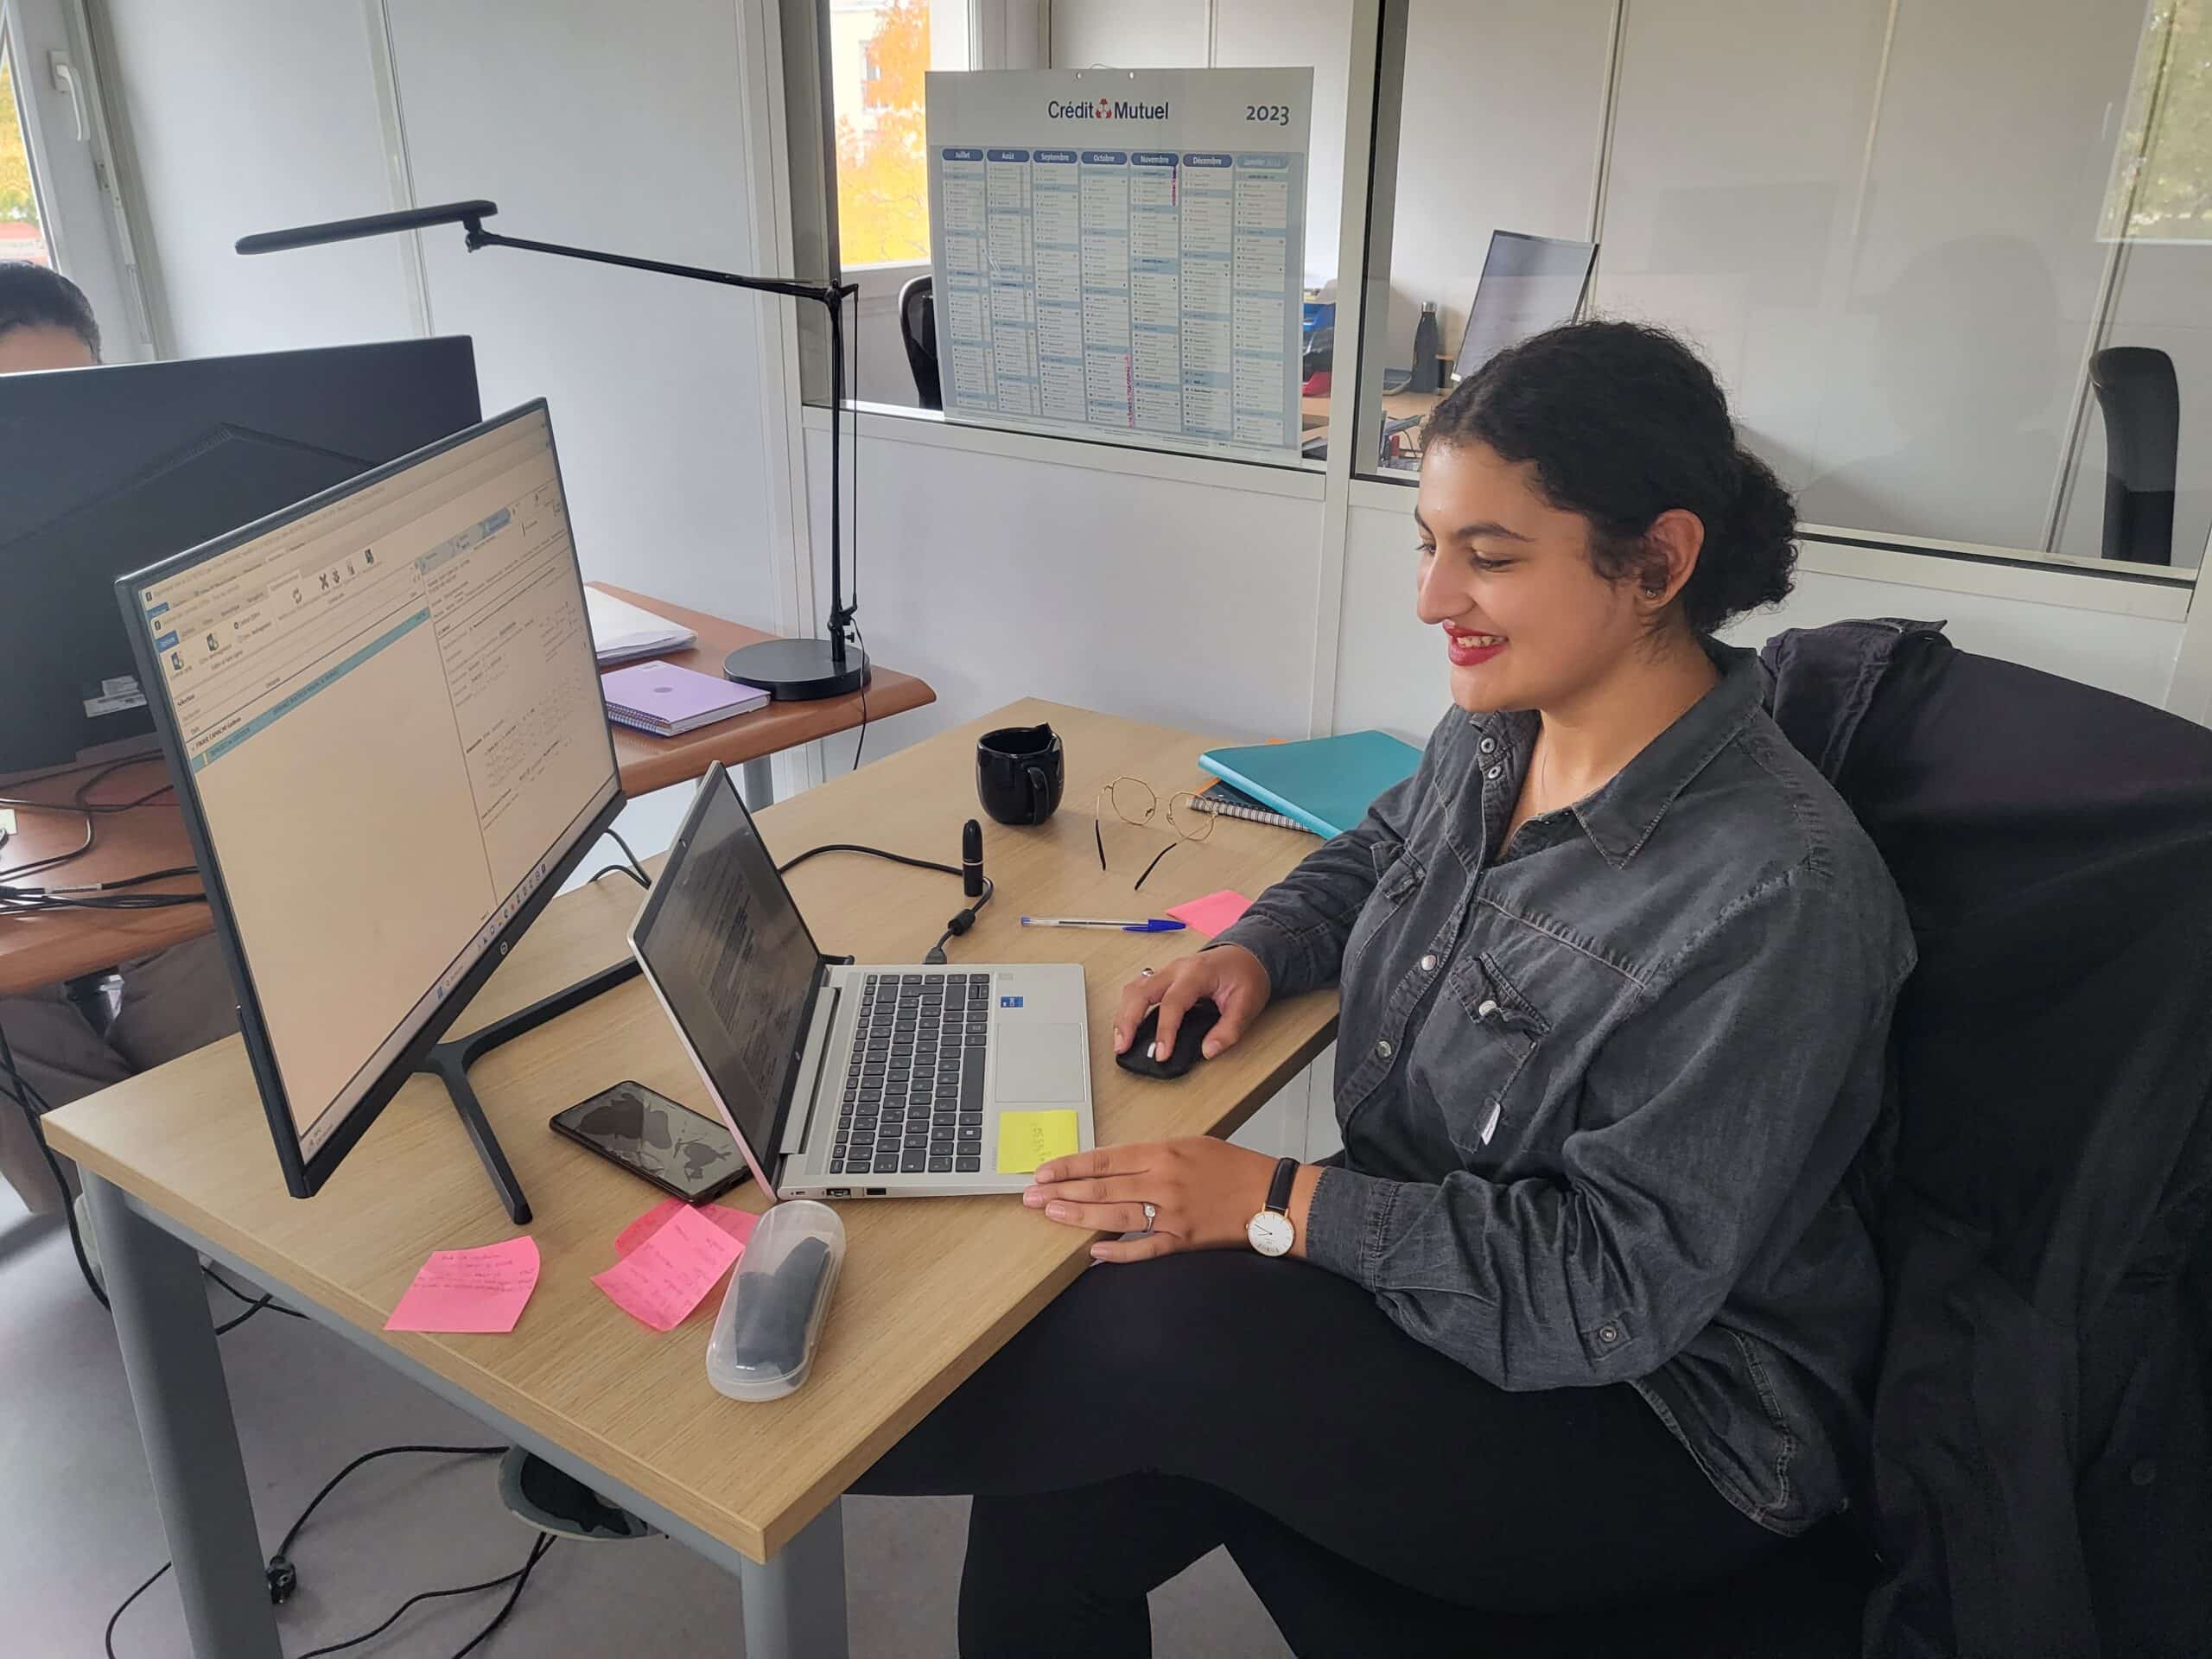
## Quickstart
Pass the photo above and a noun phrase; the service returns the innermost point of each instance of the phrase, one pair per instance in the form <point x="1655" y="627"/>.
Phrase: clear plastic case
<point x="771" y="1315"/>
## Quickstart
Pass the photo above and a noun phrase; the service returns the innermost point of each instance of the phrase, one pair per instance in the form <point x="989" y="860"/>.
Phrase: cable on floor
<point x="283" y="1577"/>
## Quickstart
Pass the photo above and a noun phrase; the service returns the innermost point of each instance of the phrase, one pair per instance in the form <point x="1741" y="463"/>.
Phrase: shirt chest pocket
<point x="1474" y="1056"/>
<point x="1398" y="875"/>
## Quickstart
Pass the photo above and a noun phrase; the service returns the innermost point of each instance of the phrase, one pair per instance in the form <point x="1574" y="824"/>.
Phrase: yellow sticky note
<point x="1028" y="1139"/>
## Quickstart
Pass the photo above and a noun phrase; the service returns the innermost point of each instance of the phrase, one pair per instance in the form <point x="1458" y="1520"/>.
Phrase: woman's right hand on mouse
<point x="1228" y="974"/>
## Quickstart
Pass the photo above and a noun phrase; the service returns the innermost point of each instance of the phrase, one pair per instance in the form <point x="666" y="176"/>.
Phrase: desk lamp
<point x="788" y="670"/>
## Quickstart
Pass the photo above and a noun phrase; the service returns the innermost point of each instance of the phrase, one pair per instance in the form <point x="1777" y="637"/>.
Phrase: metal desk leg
<point x="756" y="781"/>
<point x="184" y="1418"/>
<point x="795" y="1603"/>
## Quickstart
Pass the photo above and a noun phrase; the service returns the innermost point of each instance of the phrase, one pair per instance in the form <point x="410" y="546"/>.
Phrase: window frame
<point x="73" y="167"/>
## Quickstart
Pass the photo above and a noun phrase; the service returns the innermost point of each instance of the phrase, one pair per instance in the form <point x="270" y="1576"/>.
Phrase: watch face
<point x="1270" y="1232"/>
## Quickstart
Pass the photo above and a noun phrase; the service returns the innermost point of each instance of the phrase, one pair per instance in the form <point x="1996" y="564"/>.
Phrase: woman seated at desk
<point x="1585" y="1311"/>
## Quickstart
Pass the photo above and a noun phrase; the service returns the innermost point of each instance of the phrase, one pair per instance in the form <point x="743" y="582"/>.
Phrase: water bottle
<point x="1429" y="341"/>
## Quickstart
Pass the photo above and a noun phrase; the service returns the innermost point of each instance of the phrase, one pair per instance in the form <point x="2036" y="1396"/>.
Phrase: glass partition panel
<point x="1954" y="262"/>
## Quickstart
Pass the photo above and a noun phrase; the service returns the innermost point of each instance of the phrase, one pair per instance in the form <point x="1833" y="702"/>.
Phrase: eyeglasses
<point x="1136" y="802"/>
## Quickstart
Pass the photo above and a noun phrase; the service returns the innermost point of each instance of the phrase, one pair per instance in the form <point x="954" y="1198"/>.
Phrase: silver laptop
<point x="843" y="1082"/>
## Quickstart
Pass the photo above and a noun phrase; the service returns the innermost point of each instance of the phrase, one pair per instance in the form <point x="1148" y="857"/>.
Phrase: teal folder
<point x="1325" y="782"/>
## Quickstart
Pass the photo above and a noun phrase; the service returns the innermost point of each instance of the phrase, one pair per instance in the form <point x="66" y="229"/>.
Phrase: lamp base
<point x="798" y="670"/>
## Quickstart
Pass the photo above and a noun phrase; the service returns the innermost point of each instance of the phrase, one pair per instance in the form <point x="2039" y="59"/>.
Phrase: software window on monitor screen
<point x="390" y="713"/>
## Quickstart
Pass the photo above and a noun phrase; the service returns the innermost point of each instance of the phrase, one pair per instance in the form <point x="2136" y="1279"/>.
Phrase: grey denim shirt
<point x="1599" y="1090"/>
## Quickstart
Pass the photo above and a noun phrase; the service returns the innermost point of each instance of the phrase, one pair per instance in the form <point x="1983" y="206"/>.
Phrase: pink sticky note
<point x="1213" y="914"/>
<point x="738" y="1224"/>
<point x="665" y="1278"/>
<point x="470" y="1290"/>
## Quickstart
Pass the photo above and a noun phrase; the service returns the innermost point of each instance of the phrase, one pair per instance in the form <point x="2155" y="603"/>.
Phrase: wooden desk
<point x="1313" y="412"/>
<point x="39" y="949"/>
<point x="649" y="763"/>
<point x="931" y="1286"/>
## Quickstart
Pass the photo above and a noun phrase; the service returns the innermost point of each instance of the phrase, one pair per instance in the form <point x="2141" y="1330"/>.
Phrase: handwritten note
<point x="738" y="1224"/>
<point x="662" y="1280"/>
<point x="1213" y="914"/>
<point x="1028" y="1139"/>
<point x="478" y="1290"/>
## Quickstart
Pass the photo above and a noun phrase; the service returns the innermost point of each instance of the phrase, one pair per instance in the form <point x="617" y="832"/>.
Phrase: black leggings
<point x="1157" y="1410"/>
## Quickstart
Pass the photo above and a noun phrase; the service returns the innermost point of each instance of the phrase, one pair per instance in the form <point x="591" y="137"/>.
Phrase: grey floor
<point x="82" y="1530"/>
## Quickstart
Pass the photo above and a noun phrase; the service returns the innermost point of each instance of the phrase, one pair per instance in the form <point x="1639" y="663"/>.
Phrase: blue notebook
<point x="1325" y="783"/>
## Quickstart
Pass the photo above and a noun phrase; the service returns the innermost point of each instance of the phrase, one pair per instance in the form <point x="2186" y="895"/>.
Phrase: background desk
<point x="650" y="763"/>
<point x="931" y="1286"/>
<point x="1313" y="415"/>
<point x="39" y="949"/>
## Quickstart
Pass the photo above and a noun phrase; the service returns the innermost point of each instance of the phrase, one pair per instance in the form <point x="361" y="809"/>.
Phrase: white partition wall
<point x="1517" y="79"/>
<point x="653" y="383"/>
<point x="1161" y="588"/>
<point x="211" y="97"/>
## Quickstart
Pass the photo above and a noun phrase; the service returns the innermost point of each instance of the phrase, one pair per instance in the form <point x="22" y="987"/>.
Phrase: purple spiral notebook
<point x="667" y="701"/>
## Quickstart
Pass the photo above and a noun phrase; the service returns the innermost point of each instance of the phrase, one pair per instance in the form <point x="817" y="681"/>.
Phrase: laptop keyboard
<point x="913" y="1094"/>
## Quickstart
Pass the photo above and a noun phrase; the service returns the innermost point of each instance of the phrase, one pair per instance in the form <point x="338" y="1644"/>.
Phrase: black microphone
<point x="346" y="230"/>
<point x="971" y="859"/>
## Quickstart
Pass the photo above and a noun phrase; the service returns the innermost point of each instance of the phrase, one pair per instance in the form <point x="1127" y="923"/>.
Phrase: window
<point x="2161" y="186"/>
<point x="57" y="179"/>
<point x="1890" y="230"/>
<point x="880" y="50"/>
<point x="23" y="235"/>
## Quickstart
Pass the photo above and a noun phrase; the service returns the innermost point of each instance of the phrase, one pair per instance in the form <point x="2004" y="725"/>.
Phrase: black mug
<point x="1019" y="772"/>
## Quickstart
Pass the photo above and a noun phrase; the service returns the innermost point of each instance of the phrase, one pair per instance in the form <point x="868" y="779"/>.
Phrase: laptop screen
<point x="732" y="957"/>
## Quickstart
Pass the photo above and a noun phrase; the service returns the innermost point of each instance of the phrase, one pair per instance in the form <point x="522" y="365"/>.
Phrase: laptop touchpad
<point x="1039" y="1062"/>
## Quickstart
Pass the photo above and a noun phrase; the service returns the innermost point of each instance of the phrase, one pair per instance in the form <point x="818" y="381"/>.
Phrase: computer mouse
<point x="1198" y="1020"/>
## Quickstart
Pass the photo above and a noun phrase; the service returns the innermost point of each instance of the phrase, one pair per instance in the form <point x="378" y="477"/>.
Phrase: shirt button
<point x="1383" y="1048"/>
<point x="1494" y="774"/>
<point x="1488" y="746"/>
<point x="1609" y="1333"/>
<point x="1428" y="964"/>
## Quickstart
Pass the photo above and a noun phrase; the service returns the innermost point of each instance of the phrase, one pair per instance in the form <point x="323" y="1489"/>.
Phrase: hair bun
<point x="1750" y="556"/>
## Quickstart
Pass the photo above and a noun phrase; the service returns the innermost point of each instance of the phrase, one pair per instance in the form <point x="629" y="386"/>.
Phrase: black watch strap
<point x="1278" y="1189"/>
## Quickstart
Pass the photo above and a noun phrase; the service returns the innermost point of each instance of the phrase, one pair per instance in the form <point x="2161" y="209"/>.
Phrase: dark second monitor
<point x="107" y="470"/>
<point x="1529" y="283"/>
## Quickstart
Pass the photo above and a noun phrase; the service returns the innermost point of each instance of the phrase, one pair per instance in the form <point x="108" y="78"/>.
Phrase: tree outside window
<point x="21" y="237"/>
<point x="2161" y="178"/>
<point x="880" y="53"/>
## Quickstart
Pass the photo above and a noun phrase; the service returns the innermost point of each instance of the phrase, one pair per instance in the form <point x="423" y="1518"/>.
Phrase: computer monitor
<point x="382" y="713"/>
<point x="103" y="471"/>
<point x="1529" y="283"/>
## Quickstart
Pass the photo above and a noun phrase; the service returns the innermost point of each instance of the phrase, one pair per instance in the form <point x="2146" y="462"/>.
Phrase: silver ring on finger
<point x="1151" y="1214"/>
<point x="1146" y="973"/>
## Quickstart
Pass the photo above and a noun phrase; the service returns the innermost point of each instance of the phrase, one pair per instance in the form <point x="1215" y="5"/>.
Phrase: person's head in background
<point x="46" y="322"/>
<point x="1586" y="517"/>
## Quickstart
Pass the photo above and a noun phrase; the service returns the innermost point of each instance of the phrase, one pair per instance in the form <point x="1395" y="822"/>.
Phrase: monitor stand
<point x="450" y="1061"/>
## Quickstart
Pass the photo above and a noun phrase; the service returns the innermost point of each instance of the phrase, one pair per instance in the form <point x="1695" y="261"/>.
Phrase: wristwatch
<point x="1270" y="1231"/>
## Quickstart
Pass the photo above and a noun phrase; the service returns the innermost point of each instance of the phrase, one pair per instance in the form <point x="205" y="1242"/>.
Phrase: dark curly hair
<point x="32" y="296"/>
<point x="1623" y="423"/>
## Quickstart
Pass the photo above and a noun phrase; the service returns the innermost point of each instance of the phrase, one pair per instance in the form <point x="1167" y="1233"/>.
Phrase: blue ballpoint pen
<point x="1151" y="925"/>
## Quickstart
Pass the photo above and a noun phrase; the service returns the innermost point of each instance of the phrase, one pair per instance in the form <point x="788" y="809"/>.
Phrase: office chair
<point x="917" y="328"/>
<point x="2042" y="1414"/>
<point x="2141" y="401"/>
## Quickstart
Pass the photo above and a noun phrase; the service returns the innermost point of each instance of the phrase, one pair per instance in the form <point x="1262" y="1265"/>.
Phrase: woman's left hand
<point x="1202" y="1191"/>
